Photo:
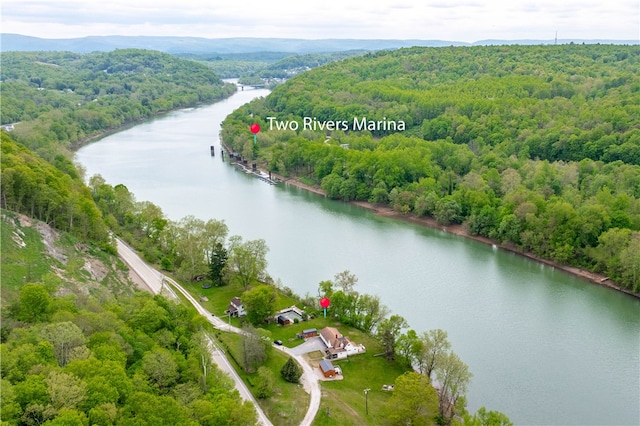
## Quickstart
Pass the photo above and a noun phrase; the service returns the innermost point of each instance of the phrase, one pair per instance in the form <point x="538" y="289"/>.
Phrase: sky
<point x="451" y="20"/>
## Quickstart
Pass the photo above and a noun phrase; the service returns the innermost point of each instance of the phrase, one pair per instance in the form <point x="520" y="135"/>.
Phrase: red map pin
<point x="255" y="128"/>
<point x="324" y="303"/>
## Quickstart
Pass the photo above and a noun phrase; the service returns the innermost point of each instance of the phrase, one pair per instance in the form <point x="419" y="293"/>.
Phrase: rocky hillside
<point x="32" y="251"/>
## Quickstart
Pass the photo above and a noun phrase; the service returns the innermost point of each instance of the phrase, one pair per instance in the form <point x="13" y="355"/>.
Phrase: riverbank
<point x="461" y="230"/>
<point x="129" y="124"/>
<point x="103" y="134"/>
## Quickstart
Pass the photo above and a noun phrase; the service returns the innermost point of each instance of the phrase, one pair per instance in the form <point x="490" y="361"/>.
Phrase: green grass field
<point x="343" y="401"/>
<point x="289" y="403"/>
<point x="27" y="258"/>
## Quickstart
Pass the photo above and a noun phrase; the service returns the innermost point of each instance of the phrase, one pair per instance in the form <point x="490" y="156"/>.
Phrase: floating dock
<point x="250" y="170"/>
<point x="256" y="173"/>
<point x="243" y="165"/>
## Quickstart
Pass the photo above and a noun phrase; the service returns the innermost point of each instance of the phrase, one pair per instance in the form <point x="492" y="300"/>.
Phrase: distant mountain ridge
<point x="173" y="45"/>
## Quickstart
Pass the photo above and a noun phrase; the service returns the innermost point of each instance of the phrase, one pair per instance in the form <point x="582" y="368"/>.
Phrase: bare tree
<point x="346" y="281"/>
<point x="254" y="352"/>
<point x="64" y="336"/>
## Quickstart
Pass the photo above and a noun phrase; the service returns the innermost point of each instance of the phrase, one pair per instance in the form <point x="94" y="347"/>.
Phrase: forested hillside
<point x="536" y="147"/>
<point x="59" y="99"/>
<point x="266" y="65"/>
<point x="78" y="344"/>
<point x="54" y="194"/>
<point x="81" y="347"/>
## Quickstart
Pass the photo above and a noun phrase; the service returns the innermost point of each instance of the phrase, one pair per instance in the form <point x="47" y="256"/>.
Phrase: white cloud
<point x="459" y="20"/>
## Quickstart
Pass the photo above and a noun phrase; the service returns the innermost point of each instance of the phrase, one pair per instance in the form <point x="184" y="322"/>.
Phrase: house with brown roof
<point x="338" y="346"/>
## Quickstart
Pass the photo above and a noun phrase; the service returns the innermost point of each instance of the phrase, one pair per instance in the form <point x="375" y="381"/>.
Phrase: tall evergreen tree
<point x="291" y="371"/>
<point x="217" y="262"/>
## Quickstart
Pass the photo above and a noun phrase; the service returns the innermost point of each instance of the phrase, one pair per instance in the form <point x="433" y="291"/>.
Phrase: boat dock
<point x="243" y="165"/>
<point x="252" y="170"/>
<point x="256" y="173"/>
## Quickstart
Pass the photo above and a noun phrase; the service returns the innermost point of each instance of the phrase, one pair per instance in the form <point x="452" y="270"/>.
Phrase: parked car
<point x="278" y="342"/>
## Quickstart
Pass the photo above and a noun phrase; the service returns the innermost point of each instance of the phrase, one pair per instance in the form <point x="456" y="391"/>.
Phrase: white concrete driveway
<point x="312" y="344"/>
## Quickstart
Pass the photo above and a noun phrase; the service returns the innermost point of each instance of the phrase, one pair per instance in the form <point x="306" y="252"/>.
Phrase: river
<point x="545" y="347"/>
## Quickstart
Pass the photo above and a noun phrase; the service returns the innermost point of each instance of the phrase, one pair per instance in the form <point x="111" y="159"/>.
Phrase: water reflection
<point x="544" y="347"/>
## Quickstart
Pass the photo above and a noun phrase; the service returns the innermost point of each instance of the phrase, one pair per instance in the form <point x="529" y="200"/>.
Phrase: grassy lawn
<point x="26" y="259"/>
<point x="288" y="333"/>
<point x="343" y="401"/>
<point x="289" y="403"/>
<point x="218" y="298"/>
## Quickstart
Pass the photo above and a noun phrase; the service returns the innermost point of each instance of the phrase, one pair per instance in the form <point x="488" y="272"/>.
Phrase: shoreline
<point x="110" y="131"/>
<point x="460" y="230"/>
<point x="74" y="146"/>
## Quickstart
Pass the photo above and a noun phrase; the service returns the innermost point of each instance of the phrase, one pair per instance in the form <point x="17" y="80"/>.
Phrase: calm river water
<point x="545" y="348"/>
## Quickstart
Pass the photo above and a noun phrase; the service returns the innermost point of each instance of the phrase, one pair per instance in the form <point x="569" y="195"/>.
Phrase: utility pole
<point x="366" y="400"/>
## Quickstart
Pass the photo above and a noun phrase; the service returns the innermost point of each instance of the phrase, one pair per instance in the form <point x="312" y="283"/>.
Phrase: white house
<point x="235" y="308"/>
<point x="338" y="346"/>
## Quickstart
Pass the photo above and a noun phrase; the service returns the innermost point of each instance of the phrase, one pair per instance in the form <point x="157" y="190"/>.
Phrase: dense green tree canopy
<point x="118" y="369"/>
<point x="259" y="303"/>
<point x="52" y="193"/>
<point x="291" y="371"/>
<point x="414" y="401"/>
<point x="60" y="99"/>
<point x="535" y="147"/>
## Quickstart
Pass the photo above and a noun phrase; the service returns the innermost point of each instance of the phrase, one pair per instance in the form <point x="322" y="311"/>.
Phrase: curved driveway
<point x="155" y="281"/>
<point x="310" y="384"/>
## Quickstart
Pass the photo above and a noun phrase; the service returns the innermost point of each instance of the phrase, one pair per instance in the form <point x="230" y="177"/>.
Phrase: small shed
<point x="327" y="369"/>
<point x="310" y="332"/>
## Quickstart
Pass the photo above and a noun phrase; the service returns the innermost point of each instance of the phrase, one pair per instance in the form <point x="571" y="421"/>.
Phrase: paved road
<point x="223" y="363"/>
<point x="154" y="280"/>
<point x="157" y="283"/>
<point x="151" y="277"/>
<point x="310" y="345"/>
<point x="310" y="383"/>
<point x="218" y="354"/>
